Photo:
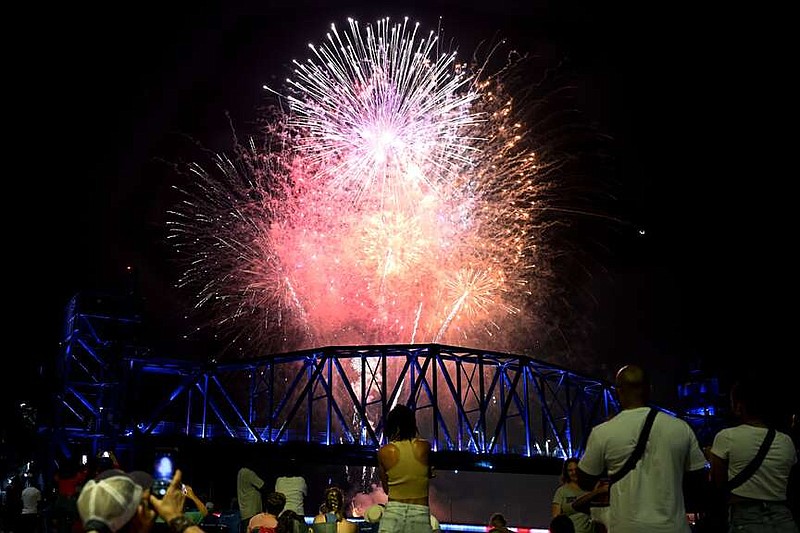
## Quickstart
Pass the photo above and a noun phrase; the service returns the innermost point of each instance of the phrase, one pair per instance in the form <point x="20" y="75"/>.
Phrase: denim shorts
<point x="755" y="517"/>
<point x="405" y="518"/>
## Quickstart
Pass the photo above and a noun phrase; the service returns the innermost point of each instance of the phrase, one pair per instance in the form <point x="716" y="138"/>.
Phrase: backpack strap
<point x="639" y="450"/>
<point x="754" y="463"/>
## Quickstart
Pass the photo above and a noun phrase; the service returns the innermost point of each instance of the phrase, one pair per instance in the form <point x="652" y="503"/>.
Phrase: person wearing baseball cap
<point x="119" y="501"/>
<point x="111" y="500"/>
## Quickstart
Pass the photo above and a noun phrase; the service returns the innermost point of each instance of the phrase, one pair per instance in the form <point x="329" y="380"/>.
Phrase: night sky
<point x="102" y="101"/>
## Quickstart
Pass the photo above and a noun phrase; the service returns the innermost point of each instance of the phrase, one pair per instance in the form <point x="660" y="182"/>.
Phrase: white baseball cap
<point x="112" y="498"/>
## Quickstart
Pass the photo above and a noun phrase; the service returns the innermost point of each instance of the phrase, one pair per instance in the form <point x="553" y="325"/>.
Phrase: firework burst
<point x="381" y="108"/>
<point x="398" y="200"/>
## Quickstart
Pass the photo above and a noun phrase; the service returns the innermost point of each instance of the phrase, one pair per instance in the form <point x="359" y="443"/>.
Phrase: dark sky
<point x="99" y="97"/>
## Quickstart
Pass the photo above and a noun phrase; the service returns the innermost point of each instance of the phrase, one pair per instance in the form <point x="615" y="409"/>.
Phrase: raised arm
<point x="192" y="496"/>
<point x="170" y="507"/>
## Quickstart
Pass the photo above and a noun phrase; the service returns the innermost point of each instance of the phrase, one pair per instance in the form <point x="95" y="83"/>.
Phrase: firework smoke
<point x="396" y="199"/>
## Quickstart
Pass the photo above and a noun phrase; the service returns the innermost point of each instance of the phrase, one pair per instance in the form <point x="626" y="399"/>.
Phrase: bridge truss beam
<point x="473" y="403"/>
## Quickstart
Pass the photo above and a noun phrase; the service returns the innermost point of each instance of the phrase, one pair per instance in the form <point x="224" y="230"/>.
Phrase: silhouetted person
<point x="267" y="520"/>
<point x="291" y="522"/>
<point x="498" y="523"/>
<point x="561" y="524"/>
<point x="12" y="509"/>
<point x="68" y="480"/>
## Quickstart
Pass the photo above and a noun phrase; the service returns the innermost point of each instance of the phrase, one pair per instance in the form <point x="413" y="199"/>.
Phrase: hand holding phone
<point x="163" y="471"/>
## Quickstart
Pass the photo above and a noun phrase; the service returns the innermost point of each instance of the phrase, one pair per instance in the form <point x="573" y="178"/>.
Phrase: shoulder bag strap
<point x="639" y="450"/>
<point x="753" y="465"/>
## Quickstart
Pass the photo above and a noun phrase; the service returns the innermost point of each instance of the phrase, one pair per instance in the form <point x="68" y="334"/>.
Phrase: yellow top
<point x="408" y="478"/>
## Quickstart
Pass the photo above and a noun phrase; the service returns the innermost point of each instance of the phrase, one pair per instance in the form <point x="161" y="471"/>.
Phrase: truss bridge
<point x="480" y="409"/>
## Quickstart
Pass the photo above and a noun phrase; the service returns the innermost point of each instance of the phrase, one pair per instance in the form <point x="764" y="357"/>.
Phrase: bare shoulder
<point x="422" y="445"/>
<point x="388" y="455"/>
<point x="388" y="450"/>
<point x="422" y="450"/>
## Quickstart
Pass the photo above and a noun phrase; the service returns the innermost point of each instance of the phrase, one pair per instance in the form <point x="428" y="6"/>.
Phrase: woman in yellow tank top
<point x="404" y="469"/>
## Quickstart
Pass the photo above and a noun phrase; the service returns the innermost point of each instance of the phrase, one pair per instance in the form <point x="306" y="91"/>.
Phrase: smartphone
<point x="163" y="470"/>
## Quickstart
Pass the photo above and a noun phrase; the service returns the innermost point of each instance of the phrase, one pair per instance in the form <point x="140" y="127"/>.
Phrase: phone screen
<point x="163" y="471"/>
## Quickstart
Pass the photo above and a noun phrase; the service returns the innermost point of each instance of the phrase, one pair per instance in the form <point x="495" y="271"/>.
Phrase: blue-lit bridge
<point x="477" y="407"/>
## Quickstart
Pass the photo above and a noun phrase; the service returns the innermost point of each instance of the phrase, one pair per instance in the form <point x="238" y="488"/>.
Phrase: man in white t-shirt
<point x="248" y="493"/>
<point x="650" y="497"/>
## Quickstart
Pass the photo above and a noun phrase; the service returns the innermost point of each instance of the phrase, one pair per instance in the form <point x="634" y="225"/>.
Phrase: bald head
<point x="633" y="387"/>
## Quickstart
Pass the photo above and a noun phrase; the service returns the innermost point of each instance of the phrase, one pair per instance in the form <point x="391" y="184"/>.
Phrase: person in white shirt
<point x="293" y="486"/>
<point x="248" y="493"/>
<point x="760" y="502"/>
<point x="650" y="497"/>
<point x="31" y="496"/>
